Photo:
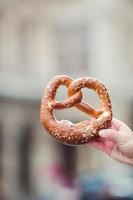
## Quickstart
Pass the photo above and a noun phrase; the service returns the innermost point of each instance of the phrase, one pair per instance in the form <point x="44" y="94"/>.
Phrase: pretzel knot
<point x="64" y="130"/>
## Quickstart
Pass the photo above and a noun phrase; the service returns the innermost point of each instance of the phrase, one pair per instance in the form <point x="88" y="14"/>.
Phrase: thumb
<point x="110" y="134"/>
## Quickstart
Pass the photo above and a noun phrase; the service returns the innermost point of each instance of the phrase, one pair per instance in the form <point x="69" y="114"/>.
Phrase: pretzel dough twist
<point x="64" y="130"/>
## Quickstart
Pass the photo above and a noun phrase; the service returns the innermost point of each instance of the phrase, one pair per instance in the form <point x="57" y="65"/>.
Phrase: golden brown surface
<point x="85" y="131"/>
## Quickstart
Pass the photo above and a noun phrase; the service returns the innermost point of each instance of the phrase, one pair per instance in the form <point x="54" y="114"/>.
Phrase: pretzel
<point x="64" y="130"/>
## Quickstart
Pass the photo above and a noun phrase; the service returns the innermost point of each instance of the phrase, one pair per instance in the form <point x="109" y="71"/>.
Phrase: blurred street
<point x="44" y="38"/>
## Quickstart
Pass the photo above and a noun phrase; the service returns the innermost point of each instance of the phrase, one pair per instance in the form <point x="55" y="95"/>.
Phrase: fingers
<point x="118" y="156"/>
<point x="119" y="125"/>
<point x="115" y="124"/>
<point x="110" y="134"/>
<point x="116" y="141"/>
<point x="121" y="138"/>
<point x="112" y="151"/>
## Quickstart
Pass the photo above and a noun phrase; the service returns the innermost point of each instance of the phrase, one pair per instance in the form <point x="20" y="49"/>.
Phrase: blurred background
<point x="43" y="38"/>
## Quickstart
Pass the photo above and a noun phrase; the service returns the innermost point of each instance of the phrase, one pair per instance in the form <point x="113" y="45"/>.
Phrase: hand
<point x="117" y="142"/>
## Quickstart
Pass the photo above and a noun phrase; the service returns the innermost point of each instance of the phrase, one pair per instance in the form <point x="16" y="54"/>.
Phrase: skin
<point x="116" y="141"/>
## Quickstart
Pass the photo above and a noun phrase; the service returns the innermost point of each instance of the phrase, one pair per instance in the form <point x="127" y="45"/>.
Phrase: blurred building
<point x="40" y="39"/>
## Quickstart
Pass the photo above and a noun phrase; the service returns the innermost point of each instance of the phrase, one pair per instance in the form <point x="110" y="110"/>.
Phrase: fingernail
<point x="102" y="133"/>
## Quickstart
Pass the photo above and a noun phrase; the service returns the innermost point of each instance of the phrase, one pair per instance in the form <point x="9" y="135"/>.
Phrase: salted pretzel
<point x="64" y="130"/>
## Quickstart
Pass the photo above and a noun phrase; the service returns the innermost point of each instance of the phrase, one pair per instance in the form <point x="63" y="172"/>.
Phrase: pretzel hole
<point x="61" y="93"/>
<point x="71" y="114"/>
<point x="91" y="97"/>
